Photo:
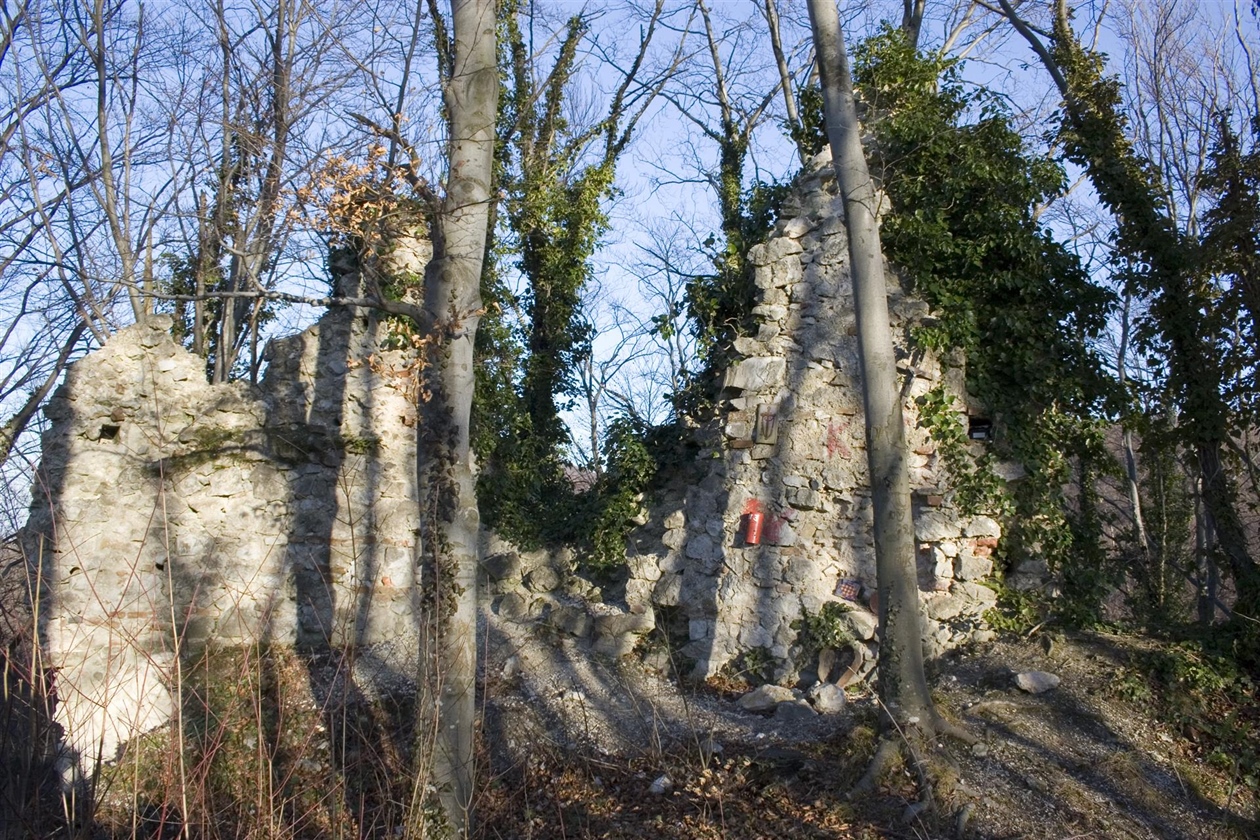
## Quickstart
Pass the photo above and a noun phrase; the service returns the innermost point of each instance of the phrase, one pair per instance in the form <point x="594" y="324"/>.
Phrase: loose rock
<point x="1036" y="682"/>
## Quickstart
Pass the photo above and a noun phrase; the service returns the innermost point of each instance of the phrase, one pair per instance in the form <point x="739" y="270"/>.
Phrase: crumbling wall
<point x="170" y="514"/>
<point x="791" y="446"/>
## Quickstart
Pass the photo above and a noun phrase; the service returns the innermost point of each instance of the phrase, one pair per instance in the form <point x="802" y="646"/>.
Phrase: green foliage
<point x="1185" y="324"/>
<point x="823" y="630"/>
<point x="550" y="223"/>
<point x="1199" y="686"/>
<point x="754" y="666"/>
<point x="720" y="304"/>
<point x="1016" y="611"/>
<point x="1231" y="253"/>
<point x="977" y="488"/>
<point x="1016" y="303"/>
<point x="618" y="496"/>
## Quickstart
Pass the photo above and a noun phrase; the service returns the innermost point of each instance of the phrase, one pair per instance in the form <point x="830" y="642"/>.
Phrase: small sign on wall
<point x="767" y="430"/>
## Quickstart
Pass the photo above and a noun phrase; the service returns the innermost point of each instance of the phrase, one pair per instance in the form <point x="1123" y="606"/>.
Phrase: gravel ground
<point x="1078" y="761"/>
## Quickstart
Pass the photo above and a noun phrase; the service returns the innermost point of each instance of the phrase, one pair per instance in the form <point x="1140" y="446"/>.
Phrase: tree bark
<point x="902" y="682"/>
<point x="452" y="304"/>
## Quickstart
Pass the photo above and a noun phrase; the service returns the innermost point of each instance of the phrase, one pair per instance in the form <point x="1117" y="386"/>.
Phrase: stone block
<point x="572" y="620"/>
<point x="773" y="250"/>
<point x="699" y="628"/>
<point x="542" y="580"/>
<point x="983" y="526"/>
<point x="969" y="566"/>
<point x="803" y="498"/>
<point x="502" y="566"/>
<point x="513" y="607"/>
<point x="620" y="624"/>
<point x="979" y="598"/>
<point x="763" y="373"/>
<point x="668" y="590"/>
<point x="616" y="647"/>
<point x="935" y="525"/>
<point x="794" y="711"/>
<point x="645" y="567"/>
<point x="862" y="623"/>
<point x="702" y="548"/>
<point x="944" y="606"/>
<point x="770" y="311"/>
<point x="766" y="697"/>
<point x="826" y="698"/>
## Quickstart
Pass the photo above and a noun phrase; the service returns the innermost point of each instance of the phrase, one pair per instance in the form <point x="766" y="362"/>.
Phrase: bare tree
<point x="902" y="682"/>
<point x="452" y="308"/>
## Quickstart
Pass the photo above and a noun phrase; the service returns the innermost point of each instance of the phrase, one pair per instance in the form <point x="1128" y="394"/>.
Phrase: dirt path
<point x="1078" y="761"/>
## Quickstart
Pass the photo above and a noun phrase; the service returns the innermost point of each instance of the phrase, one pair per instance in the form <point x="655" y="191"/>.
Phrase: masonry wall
<point x="171" y="514"/>
<point x="791" y="446"/>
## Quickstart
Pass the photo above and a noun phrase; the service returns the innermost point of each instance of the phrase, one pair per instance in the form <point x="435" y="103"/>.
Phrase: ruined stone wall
<point x="171" y="514"/>
<point x="791" y="446"/>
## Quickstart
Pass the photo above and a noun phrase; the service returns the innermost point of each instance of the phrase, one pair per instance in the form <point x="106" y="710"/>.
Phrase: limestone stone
<point x="770" y="311"/>
<point x="502" y="566"/>
<point x="765" y="698"/>
<point x="862" y="623"/>
<point x="542" y="580"/>
<point x="616" y="647"/>
<point x="668" y="590"/>
<point x="1036" y="682"/>
<point x="944" y="606"/>
<point x="619" y="624"/>
<point x="826" y="698"/>
<point x="571" y="619"/>
<point x="794" y="711"/>
<point x="983" y="526"/>
<point x="513" y="607"/>
<point x="803" y="498"/>
<point x="702" y="548"/>
<point x="673" y="561"/>
<point x="934" y="525"/>
<point x="772" y="251"/>
<point x="982" y="597"/>
<point x="762" y="373"/>
<point x="967" y="566"/>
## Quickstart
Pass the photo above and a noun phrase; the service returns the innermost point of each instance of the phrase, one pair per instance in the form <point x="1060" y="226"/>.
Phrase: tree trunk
<point x="452" y="304"/>
<point x="902" y="683"/>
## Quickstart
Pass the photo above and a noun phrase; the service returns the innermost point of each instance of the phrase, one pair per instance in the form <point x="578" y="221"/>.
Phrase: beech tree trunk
<point x="902" y="683"/>
<point x="452" y="305"/>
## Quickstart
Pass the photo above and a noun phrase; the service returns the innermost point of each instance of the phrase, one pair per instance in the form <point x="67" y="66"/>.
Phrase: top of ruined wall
<point x="790" y="446"/>
<point x="170" y="513"/>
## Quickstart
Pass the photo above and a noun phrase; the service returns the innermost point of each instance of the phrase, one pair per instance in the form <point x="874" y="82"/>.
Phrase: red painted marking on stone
<point x="835" y="440"/>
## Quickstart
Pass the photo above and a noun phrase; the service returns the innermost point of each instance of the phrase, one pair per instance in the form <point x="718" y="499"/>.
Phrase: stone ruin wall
<point x="170" y="513"/>
<point x="791" y="445"/>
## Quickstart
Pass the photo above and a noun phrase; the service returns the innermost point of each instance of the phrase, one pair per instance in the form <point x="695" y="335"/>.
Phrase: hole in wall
<point x="109" y="432"/>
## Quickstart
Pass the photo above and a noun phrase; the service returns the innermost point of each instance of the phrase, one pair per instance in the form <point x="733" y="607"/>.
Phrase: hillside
<point x="1099" y="756"/>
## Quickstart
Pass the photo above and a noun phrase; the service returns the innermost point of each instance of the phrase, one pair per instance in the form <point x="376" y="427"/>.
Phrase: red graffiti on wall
<point x="835" y="440"/>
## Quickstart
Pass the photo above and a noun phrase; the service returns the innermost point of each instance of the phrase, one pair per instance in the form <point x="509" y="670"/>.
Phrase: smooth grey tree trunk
<point x="902" y="683"/>
<point x="452" y="305"/>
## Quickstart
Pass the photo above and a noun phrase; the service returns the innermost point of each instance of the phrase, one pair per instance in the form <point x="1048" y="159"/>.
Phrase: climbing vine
<point x="1015" y="303"/>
